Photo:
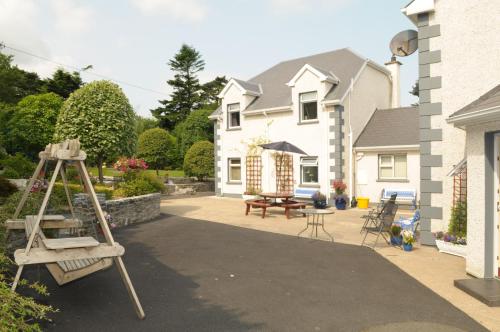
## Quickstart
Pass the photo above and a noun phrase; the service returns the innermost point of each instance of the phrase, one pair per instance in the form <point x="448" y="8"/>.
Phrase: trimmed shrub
<point x="155" y="147"/>
<point x="141" y="183"/>
<point x="17" y="167"/>
<point x="458" y="221"/>
<point x="199" y="160"/>
<point x="6" y="189"/>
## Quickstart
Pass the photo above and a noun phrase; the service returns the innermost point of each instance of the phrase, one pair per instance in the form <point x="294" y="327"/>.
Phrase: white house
<point x="459" y="60"/>
<point x="320" y="103"/>
<point x="386" y="153"/>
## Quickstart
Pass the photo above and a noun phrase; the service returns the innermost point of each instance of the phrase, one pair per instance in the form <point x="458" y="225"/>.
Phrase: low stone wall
<point x="131" y="210"/>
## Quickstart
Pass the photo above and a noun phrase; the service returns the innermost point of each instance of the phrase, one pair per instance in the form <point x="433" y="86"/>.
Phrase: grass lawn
<point x="114" y="172"/>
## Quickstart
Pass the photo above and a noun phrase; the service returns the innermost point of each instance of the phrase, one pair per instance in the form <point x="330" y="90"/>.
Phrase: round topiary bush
<point x="199" y="160"/>
<point x="155" y="147"/>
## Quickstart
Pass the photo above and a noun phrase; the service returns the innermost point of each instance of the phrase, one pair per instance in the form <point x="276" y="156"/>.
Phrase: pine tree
<point x="186" y="88"/>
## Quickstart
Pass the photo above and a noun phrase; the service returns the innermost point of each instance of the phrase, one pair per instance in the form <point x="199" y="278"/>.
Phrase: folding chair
<point x="382" y="224"/>
<point x="374" y="214"/>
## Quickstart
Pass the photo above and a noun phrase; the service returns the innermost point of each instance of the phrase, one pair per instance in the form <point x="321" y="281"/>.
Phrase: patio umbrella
<point x="282" y="146"/>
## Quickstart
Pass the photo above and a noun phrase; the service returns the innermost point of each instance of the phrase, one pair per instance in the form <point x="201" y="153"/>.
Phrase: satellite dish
<point x="404" y="43"/>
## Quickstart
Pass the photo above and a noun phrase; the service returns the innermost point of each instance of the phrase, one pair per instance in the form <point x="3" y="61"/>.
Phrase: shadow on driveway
<point x="194" y="275"/>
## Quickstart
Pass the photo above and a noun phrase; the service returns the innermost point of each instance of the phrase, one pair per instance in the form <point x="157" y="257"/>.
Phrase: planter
<point x="452" y="248"/>
<point x="407" y="246"/>
<point x="247" y="197"/>
<point x="319" y="204"/>
<point x="396" y="240"/>
<point x="340" y="203"/>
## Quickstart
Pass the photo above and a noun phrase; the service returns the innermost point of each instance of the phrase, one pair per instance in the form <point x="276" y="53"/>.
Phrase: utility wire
<point x="83" y="69"/>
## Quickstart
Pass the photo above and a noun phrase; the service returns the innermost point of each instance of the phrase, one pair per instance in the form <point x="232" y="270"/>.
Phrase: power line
<point x="83" y="69"/>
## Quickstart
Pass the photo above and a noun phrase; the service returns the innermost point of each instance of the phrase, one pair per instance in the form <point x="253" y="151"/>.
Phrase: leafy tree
<point x="32" y="125"/>
<point x="63" y="83"/>
<point x="186" y="88"/>
<point x="199" y="160"/>
<point x="210" y="92"/>
<point x="155" y="147"/>
<point x="142" y="124"/>
<point x="15" y="83"/>
<point x="196" y="127"/>
<point x="100" y="115"/>
<point x="6" y="112"/>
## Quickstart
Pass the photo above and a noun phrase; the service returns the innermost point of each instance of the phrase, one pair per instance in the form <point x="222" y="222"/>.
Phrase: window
<point x="233" y="115"/>
<point x="308" y="106"/>
<point x="234" y="170"/>
<point x="392" y="166"/>
<point x="309" y="170"/>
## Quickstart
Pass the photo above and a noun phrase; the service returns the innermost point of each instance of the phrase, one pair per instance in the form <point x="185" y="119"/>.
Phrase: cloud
<point x="71" y="17"/>
<point x="182" y="10"/>
<point x="299" y="6"/>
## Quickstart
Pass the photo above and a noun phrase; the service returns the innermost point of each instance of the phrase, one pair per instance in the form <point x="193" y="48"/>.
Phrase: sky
<point x="131" y="41"/>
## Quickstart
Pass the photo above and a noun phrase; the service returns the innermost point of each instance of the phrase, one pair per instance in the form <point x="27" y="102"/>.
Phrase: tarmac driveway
<point x="194" y="275"/>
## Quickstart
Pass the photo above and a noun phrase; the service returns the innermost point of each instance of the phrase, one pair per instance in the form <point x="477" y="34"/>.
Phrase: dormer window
<point x="233" y="115"/>
<point x="308" y="106"/>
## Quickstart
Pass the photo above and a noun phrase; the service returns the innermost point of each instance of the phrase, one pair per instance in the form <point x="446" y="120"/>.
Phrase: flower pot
<point x="340" y="203"/>
<point x="319" y="204"/>
<point x="452" y="248"/>
<point x="396" y="240"/>
<point x="407" y="246"/>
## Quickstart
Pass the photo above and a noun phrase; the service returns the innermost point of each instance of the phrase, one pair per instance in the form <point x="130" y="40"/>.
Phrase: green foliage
<point x="15" y="83"/>
<point x="458" y="221"/>
<point x="199" y="160"/>
<point x="31" y="127"/>
<point x="101" y="116"/>
<point x="140" y="183"/>
<point x="6" y="188"/>
<point x="155" y="147"/>
<point x="210" y="92"/>
<point x="63" y="83"/>
<point x="196" y="127"/>
<point x="395" y="230"/>
<point x="17" y="167"/>
<point x="18" y="312"/>
<point x="6" y="112"/>
<point x="142" y="124"/>
<point x="186" y="88"/>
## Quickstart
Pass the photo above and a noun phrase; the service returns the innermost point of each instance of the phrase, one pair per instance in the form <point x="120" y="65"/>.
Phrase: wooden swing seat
<point x="69" y="258"/>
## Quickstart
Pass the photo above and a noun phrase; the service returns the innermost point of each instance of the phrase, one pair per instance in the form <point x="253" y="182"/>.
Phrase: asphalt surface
<point x="201" y="276"/>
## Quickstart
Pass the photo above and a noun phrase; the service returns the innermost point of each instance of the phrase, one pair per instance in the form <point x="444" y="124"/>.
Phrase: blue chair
<point x="410" y="224"/>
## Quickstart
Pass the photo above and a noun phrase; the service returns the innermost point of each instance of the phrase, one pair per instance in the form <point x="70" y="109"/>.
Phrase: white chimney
<point x="393" y="67"/>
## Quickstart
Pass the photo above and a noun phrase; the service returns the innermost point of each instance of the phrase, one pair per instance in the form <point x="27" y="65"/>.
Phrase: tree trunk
<point x="99" y="169"/>
<point x="157" y="172"/>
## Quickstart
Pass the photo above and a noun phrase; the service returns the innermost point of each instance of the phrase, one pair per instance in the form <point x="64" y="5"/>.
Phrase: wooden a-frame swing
<point x="70" y="258"/>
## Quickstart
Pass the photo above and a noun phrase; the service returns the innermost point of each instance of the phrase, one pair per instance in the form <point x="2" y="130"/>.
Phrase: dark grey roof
<point x="490" y="99"/>
<point x="248" y="86"/>
<point x="343" y="63"/>
<point x="389" y="127"/>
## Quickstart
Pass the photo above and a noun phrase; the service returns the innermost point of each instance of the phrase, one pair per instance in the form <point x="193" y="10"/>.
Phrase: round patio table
<point x="315" y="215"/>
<point x="267" y="196"/>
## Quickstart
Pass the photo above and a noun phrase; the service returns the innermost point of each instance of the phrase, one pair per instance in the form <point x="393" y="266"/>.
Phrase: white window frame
<point x="230" y="166"/>
<point x="301" y="106"/>
<point x="311" y="161"/>
<point x="392" y="166"/>
<point x="230" y="112"/>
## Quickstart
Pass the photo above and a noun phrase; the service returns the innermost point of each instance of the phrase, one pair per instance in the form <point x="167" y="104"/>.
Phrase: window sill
<point x="309" y="185"/>
<point x="394" y="180"/>
<point x="233" y="128"/>
<point x="234" y="182"/>
<point x="300" y="123"/>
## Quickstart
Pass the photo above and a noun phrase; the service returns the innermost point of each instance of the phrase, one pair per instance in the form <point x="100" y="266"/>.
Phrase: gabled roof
<point x="247" y="88"/>
<point x="323" y="75"/>
<point x="486" y="106"/>
<point x="344" y="64"/>
<point x="391" y="127"/>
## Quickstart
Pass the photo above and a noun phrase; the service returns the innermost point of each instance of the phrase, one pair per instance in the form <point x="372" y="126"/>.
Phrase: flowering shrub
<point x="447" y="237"/>
<point x="339" y="187"/>
<point x="129" y="165"/>
<point x="408" y="237"/>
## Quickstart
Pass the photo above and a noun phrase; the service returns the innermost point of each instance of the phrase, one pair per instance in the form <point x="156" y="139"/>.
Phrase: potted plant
<point x="396" y="238"/>
<point x="454" y="242"/>
<point x="408" y="240"/>
<point x="251" y="193"/>
<point x="340" y="199"/>
<point x="319" y="200"/>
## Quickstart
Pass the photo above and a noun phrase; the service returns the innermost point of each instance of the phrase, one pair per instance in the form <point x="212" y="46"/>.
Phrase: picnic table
<point x="267" y="201"/>
<point x="268" y="196"/>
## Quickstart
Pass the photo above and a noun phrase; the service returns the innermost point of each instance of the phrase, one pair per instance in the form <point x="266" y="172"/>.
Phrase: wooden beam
<point x="57" y="224"/>
<point x="42" y="255"/>
<point x="28" y="187"/>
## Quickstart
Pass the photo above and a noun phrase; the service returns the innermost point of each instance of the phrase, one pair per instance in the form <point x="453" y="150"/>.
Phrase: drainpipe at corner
<point x="351" y="193"/>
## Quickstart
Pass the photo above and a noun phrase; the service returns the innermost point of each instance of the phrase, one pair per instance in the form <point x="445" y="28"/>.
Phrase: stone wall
<point x="131" y="210"/>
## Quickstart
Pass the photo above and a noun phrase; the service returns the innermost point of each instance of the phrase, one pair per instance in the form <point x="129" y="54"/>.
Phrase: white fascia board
<point x="322" y="77"/>
<point x="477" y="117"/>
<point x="330" y="102"/>
<point x="415" y="147"/>
<point x="278" y="109"/>
<point x="242" y="89"/>
<point x="417" y="7"/>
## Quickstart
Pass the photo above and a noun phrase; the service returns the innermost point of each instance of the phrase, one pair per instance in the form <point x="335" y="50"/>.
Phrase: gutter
<point x="468" y="118"/>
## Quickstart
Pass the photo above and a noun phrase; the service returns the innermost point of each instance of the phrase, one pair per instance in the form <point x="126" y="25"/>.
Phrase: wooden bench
<point x="292" y="205"/>
<point x="257" y="203"/>
<point x="403" y="196"/>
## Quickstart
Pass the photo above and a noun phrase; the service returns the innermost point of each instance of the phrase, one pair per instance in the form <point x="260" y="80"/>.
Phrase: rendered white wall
<point x="367" y="183"/>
